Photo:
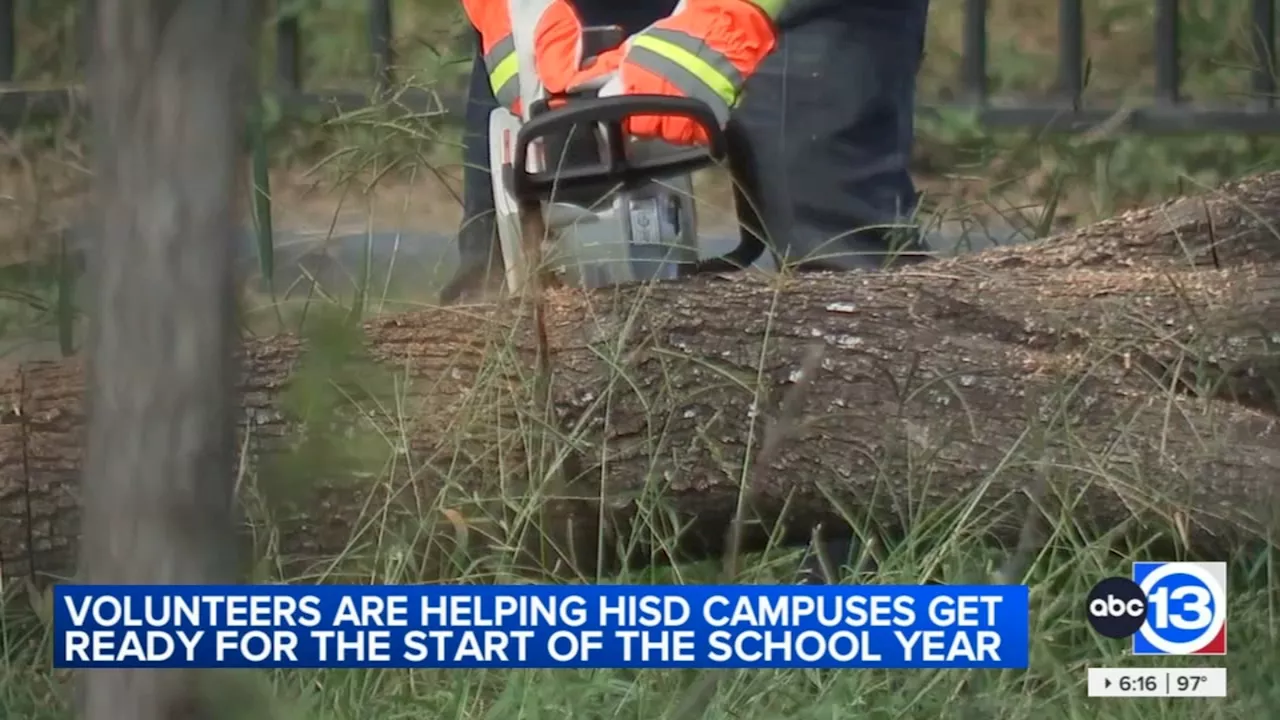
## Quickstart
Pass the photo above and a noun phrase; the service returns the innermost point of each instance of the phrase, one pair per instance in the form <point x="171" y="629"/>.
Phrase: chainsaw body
<point x="615" y="210"/>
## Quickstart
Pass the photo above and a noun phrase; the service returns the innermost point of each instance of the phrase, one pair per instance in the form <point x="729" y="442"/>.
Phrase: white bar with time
<point x="1158" y="682"/>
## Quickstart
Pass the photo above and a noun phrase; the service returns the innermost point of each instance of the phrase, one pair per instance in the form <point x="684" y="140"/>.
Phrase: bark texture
<point x="1129" y="366"/>
<point x="169" y="84"/>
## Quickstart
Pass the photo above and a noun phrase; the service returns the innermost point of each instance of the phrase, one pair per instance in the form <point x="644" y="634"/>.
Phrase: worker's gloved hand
<point x="557" y="36"/>
<point x="705" y="50"/>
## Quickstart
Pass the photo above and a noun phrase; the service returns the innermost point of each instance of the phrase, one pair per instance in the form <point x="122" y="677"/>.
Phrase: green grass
<point x="974" y="170"/>
<point x="1096" y="176"/>
<point x="1053" y="687"/>
<point x="963" y="168"/>
<point x="1101" y="173"/>
<point x="389" y="545"/>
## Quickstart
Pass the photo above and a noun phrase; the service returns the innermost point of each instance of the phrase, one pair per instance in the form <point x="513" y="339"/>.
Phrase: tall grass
<point x="1046" y="181"/>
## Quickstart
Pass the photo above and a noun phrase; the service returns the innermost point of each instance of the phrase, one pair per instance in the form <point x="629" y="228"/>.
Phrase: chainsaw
<point x="580" y="200"/>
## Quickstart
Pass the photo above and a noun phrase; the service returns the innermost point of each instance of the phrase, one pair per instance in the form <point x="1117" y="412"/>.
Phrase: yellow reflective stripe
<point x="772" y="8"/>
<point x="678" y="75"/>
<point x="504" y="71"/>
<point x="707" y="73"/>
<point x="508" y="69"/>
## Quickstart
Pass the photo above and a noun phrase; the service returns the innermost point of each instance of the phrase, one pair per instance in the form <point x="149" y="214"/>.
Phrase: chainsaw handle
<point x="610" y="112"/>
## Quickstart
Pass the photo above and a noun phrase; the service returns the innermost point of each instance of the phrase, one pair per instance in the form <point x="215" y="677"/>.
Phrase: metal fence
<point x="1168" y="112"/>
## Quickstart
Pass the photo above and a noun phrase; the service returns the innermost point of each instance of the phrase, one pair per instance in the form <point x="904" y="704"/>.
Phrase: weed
<point x="354" y="418"/>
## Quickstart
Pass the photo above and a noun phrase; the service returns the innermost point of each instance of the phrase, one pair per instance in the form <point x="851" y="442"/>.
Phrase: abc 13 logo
<point x="1167" y="608"/>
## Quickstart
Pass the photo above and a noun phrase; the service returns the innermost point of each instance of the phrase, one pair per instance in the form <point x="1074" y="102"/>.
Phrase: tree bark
<point x="1128" y="366"/>
<point x="170" y="80"/>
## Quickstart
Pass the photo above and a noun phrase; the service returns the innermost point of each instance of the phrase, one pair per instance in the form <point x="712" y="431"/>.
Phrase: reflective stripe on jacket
<point x="707" y="48"/>
<point x="492" y="18"/>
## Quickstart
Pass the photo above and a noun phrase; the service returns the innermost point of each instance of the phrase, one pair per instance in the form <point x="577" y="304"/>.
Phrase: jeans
<point x="827" y="118"/>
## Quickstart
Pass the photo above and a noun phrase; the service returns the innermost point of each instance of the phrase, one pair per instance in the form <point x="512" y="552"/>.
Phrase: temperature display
<point x="1157" y="682"/>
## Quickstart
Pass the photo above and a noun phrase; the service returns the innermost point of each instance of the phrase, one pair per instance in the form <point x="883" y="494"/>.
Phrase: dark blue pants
<point x="827" y="120"/>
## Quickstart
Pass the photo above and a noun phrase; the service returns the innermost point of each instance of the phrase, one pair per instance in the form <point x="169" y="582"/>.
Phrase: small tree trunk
<point x="169" y="83"/>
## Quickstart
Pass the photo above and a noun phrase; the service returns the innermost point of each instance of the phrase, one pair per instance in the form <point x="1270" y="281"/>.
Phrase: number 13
<point x="1196" y="602"/>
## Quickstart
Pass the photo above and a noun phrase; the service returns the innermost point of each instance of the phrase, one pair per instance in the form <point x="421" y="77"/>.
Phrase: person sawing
<point x="817" y="97"/>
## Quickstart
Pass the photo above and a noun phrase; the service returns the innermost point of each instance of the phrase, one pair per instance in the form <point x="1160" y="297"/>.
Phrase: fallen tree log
<point x="1128" y="366"/>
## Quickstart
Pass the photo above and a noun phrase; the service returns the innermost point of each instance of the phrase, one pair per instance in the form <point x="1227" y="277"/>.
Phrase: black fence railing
<point x="1167" y="112"/>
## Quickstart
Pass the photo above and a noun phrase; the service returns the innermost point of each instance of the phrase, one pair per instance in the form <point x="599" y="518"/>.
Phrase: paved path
<point x="418" y="263"/>
<point x="407" y="266"/>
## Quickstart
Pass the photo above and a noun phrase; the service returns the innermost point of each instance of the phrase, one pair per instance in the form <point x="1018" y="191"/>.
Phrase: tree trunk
<point x="1128" y="366"/>
<point x="170" y="78"/>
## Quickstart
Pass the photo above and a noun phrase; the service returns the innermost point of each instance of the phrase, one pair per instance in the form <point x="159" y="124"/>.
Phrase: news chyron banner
<point x="608" y="626"/>
<point x="1167" y="608"/>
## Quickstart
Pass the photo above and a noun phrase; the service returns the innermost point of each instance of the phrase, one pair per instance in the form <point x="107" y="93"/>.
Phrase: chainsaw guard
<point x="645" y="232"/>
<point x="503" y="129"/>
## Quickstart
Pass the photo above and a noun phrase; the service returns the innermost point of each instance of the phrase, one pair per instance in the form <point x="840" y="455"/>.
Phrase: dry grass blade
<point x="977" y="181"/>
<point x="694" y="701"/>
<point x="781" y="429"/>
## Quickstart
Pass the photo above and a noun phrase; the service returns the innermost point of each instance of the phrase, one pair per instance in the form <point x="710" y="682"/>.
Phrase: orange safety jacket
<point x="705" y="49"/>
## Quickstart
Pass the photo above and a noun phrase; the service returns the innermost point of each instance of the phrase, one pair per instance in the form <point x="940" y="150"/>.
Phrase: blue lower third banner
<point x="604" y="626"/>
